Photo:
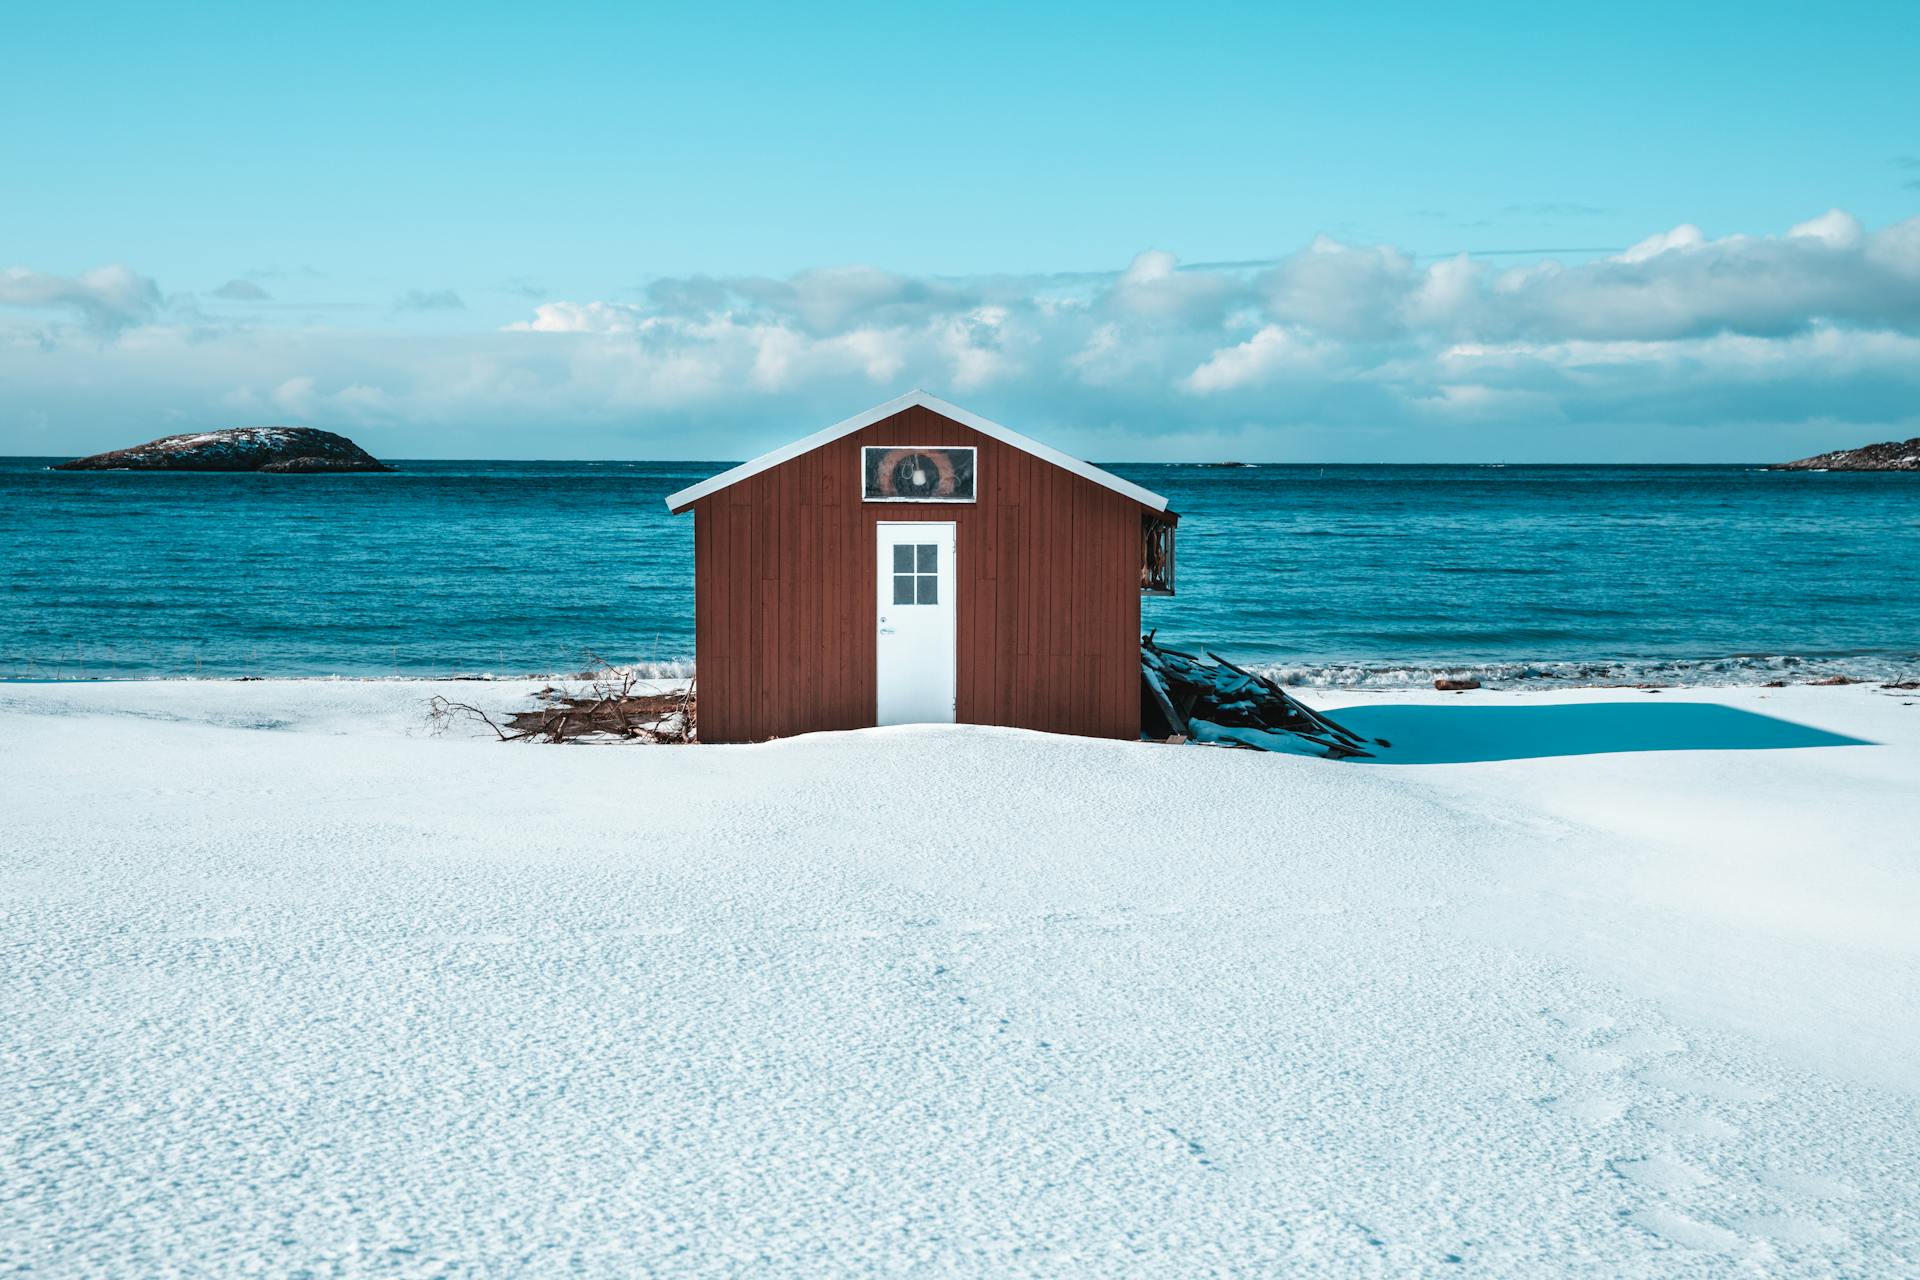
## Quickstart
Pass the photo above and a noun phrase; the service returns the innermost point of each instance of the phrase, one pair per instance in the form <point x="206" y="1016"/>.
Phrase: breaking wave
<point x="1737" y="670"/>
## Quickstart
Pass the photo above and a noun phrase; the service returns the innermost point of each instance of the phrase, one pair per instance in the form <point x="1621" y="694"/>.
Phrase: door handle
<point x="886" y="631"/>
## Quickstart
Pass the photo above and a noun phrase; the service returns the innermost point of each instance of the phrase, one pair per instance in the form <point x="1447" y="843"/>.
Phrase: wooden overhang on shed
<point x="920" y="563"/>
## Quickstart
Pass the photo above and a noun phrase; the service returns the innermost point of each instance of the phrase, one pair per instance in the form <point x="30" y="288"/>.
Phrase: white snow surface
<point x="290" y="987"/>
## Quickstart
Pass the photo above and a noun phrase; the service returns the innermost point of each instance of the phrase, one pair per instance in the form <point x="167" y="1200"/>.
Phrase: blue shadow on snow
<point x="1466" y="734"/>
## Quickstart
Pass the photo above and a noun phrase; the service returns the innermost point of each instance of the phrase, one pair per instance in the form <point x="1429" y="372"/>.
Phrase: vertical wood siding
<point x="1047" y="627"/>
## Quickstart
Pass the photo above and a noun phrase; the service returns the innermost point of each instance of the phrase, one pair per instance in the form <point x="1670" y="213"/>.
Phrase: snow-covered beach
<point x="1613" y="982"/>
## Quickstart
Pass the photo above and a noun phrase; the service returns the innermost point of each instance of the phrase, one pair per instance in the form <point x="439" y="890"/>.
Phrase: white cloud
<point x="107" y="299"/>
<point x="295" y="396"/>
<point x="1346" y="292"/>
<point x="1684" y="236"/>
<point x="1153" y="289"/>
<point x="1254" y="361"/>
<point x="1822" y="322"/>
<point x="242" y="291"/>
<point x="582" y="317"/>
<point x="1835" y="228"/>
<point x="1450" y="294"/>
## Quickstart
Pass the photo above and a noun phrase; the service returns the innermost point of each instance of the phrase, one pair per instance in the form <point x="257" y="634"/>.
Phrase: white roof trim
<point x="678" y="502"/>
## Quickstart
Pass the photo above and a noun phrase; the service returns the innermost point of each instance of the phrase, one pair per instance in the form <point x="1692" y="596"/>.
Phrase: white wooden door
<point x="915" y="614"/>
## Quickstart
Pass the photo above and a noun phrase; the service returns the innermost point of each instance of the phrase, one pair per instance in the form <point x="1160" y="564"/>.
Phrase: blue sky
<point x="620" y="232"/>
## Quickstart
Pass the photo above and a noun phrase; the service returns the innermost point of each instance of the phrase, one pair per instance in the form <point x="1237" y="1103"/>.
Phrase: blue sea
<point x="1323" y="575"/>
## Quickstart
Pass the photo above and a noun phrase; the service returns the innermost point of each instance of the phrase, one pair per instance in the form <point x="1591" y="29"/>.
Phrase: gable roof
<point x="678" y="502"/>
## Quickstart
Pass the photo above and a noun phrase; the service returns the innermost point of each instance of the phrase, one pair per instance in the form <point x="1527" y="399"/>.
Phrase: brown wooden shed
<point x="917" y="563"/>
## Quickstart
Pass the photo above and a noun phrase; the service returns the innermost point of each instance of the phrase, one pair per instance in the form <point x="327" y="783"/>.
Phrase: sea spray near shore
<point x="1733" y="671"/>
<point x="1334" y="576"/>
<point x="1702" y="673"/>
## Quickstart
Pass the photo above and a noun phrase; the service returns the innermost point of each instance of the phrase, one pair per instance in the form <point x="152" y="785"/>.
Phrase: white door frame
<point x="910" y="641"/>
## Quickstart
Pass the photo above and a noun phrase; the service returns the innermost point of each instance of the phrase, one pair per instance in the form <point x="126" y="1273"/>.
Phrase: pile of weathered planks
<point x="1218" y="702"/>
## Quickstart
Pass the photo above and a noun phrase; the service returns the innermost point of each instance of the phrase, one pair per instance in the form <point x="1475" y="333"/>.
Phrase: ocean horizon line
<point x="1208" y="463"/>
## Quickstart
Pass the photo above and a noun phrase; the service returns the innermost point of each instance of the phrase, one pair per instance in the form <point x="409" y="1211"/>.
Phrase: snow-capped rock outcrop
<point x="1893" y="455"/>
<point x="280" y="449"/>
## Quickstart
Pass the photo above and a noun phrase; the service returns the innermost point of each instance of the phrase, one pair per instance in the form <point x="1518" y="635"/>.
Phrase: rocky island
<point x="270" y="449"/>
<point x="1892" y="455"/>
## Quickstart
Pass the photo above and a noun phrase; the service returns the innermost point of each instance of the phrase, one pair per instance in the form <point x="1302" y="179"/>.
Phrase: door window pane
<point x="916" y="573"/>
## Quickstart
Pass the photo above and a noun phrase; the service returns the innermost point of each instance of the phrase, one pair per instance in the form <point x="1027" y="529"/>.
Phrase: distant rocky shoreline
<point x="1892" y="455"/>
<point x="279" y="450"/>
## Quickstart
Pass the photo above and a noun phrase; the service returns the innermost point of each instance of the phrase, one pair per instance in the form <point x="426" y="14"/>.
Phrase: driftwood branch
<point x="607" y="704"/>
<point x="442" y="713"/>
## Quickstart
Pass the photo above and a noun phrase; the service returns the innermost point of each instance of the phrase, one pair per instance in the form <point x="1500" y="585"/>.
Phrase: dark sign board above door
<point x="916" y="473"/>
